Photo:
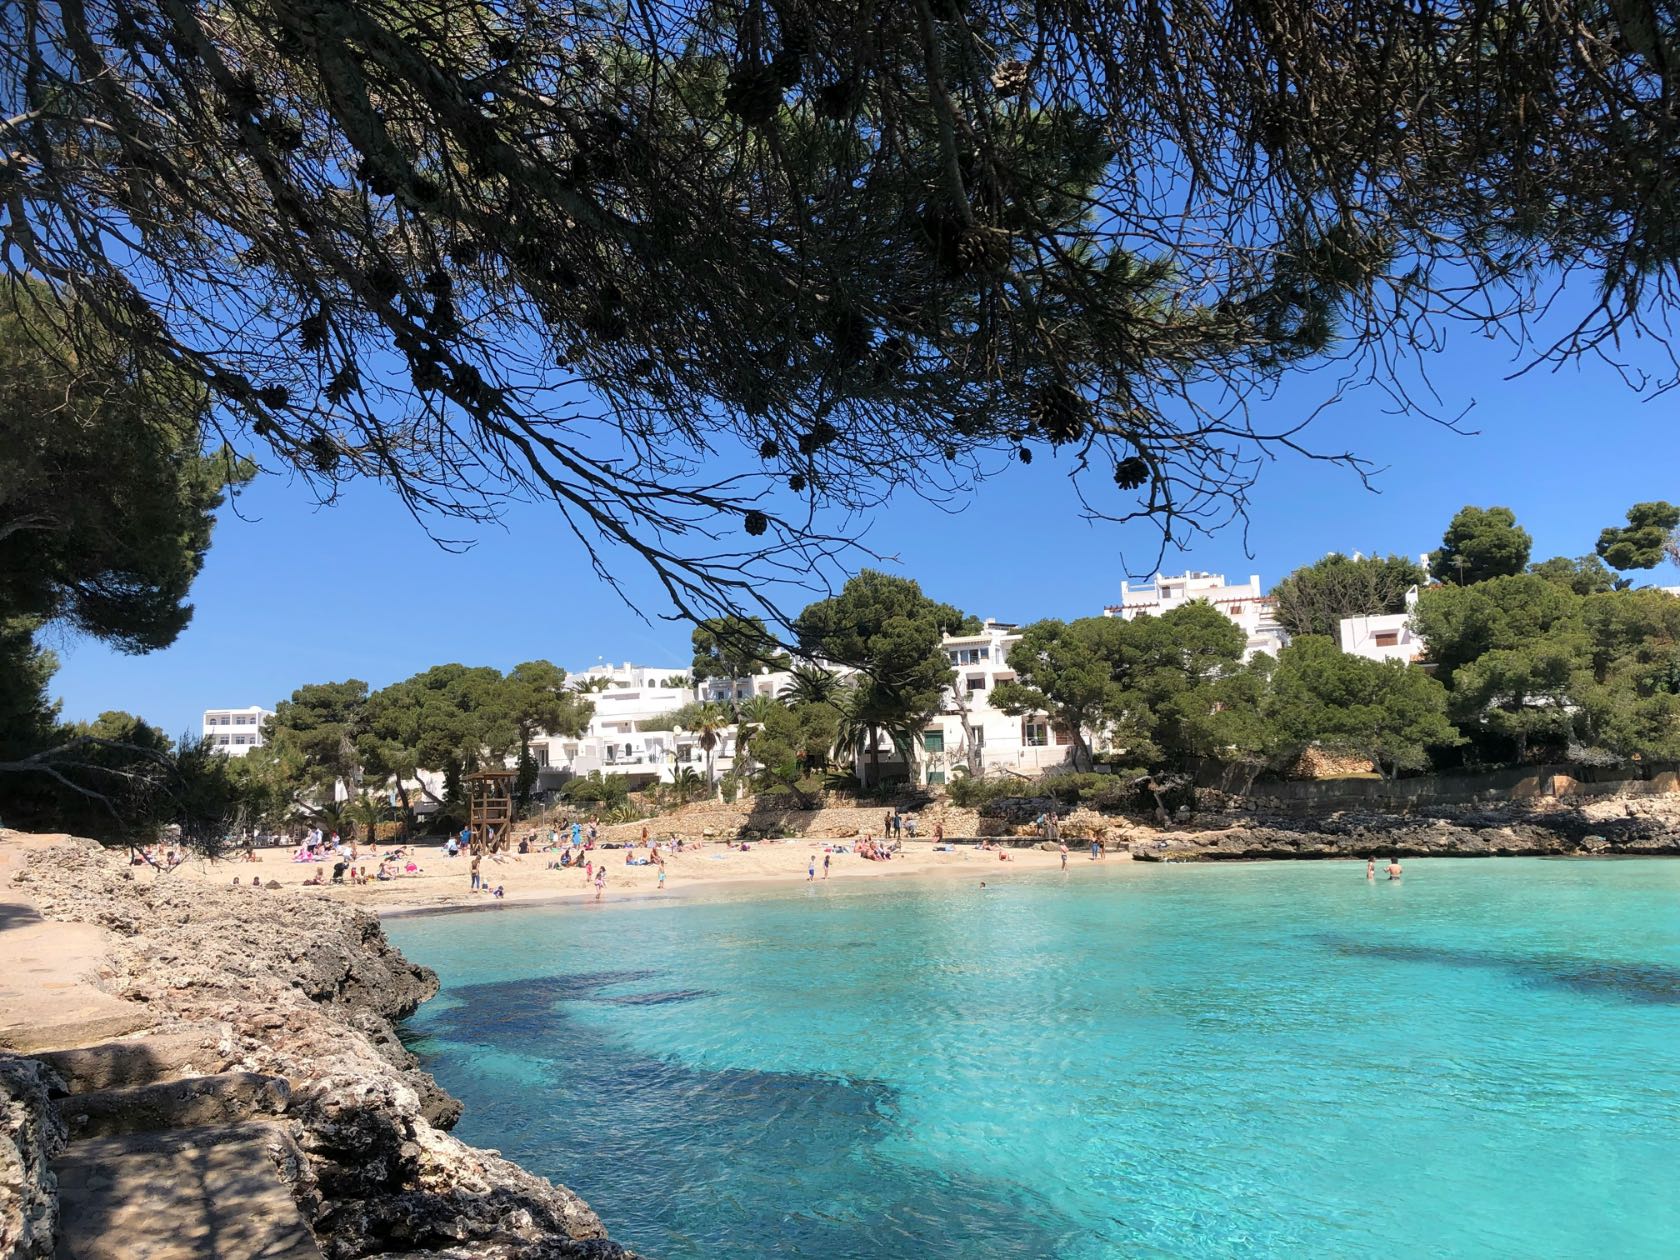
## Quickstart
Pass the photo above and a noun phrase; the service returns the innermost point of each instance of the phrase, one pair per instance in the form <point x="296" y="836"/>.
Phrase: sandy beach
<point x="711" y="868"/>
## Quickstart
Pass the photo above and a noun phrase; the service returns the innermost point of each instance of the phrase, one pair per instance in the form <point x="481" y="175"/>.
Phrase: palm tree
<point x="811" y="684"/>
<point x="750" y="716"/>
<point x="867" y="712"/>
<point x="709" y="722"/>
<point x="686" y="782"/>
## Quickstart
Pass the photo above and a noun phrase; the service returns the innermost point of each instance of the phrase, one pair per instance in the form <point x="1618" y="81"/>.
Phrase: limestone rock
<point x="31" y="1134"/>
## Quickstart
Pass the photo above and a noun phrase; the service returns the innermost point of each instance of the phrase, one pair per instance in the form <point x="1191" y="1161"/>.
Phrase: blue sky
<point x="295" y="593"/>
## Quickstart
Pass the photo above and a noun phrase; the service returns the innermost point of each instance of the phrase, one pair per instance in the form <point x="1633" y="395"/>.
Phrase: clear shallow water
<point x="1256" y="1060"/>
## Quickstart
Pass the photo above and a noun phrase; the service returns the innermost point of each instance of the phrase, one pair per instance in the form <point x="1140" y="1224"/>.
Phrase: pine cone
<point x="753" y="94"/>
<point x="757" y="523"/>
<point x="982" y="249"/>
<point x="312" y="331"/>
<point x="1131" y="472"/>
<point x="768" y="449"/>
<point x="344" y="382"/>
<point x="786" y="68"/>
<point x="1025" y="455"/>
<point x="323" y="453"/>
<point x="796" y="483"/>
<point x="840" y="99"/>
<point x="274" y="396"/>
<point x="1011" y="78"/>
<point x="1059" y="413"/>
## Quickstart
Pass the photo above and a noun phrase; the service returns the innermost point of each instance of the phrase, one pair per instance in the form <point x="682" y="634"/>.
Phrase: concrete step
<point x="225" y="1098"/>
<point x="191" y="1194"/>
<point x="137" y="1060"/>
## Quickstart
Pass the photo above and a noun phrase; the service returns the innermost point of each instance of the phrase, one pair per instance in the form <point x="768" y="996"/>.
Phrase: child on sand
<point x="600" y="882"/>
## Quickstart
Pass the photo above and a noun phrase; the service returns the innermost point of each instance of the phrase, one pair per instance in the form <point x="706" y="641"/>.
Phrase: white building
<point x="1384" y="637"/>
<point x="235" y="731"/>
<point x="1024" y="744"/>
<point x="1244" y="604"/>
<point x="626" y="697"/>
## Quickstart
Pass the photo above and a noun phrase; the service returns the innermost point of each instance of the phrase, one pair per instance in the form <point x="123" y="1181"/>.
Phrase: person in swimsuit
<point x="1064" y="854"/>
<point x="1370" y="868"/>
<point x="1394" y="868"/>
<point x="600" y="882"/>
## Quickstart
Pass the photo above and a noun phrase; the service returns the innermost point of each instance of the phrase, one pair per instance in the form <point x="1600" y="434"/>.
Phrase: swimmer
<point x="1394" y="868"/>
<point x="1370" y="868"/>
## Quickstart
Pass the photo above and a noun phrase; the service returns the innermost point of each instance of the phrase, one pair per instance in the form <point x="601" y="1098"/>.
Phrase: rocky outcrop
<point x="1444" y="832"/>
<point x="278" y="1009"/>
<point x="31" y="1134"/>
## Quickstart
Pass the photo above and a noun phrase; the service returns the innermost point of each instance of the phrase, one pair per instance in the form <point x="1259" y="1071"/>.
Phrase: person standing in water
<point x="1394" y="867"/>
<point x="1063" y="847"/>
<point x="600" y="882"/>
<point x="1370" y="868"/>
<point x="811" y="870"/>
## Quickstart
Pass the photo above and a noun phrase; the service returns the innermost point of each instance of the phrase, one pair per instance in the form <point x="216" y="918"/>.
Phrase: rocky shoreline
<point x="287" y="1005"/>
<point x="1607" y="829"/>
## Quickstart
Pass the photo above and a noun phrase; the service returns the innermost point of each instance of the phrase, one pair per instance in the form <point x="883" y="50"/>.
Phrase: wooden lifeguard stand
<point x="490" y="809"/>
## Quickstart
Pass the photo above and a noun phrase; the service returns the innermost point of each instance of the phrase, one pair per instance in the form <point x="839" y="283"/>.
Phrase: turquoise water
<point x="1256" y="1060"/>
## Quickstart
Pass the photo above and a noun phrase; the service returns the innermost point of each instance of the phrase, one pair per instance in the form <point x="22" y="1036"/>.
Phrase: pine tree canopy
<point x="698" y="273"/>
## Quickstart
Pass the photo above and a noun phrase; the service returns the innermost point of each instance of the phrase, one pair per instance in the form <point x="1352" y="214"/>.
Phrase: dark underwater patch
<point x="1647" y="983"/>
<point x="685" y="1163"/>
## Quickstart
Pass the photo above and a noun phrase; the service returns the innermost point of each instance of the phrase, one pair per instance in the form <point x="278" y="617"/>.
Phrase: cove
<point x="1261" y="1060"/>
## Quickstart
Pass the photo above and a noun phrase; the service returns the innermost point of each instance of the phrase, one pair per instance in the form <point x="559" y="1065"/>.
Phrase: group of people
<point x="1392" y="870"/>
<point x="874" y="851"/>
<point x="163" y="857"/>
<point x="898" y="825"/>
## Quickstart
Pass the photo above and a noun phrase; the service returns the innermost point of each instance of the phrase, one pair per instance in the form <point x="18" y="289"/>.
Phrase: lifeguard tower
<point x="490" y="809"/>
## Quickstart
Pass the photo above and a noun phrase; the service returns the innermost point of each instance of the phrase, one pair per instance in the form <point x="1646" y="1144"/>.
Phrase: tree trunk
<point x="971" y="754"/>
<point x="1082" y="758"/>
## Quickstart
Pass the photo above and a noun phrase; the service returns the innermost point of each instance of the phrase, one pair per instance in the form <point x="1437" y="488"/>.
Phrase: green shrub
<point x="595" y="788"/>
<point x="971" y="793"/>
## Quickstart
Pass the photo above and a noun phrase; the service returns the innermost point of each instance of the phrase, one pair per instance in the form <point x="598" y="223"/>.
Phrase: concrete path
<point x="47" y="998"/>
<point x="185" y="1194"/>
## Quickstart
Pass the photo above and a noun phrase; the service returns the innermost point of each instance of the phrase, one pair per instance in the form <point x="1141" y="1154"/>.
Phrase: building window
<point x="977" y="737"/>
<point x="933" y="742"/>
<point x="1387" y="638"/>
<point x="976" y="684"/>
<point x="539" y="754"/>
<point x="1062" y="735"/>
<point x="1036" y="734"/>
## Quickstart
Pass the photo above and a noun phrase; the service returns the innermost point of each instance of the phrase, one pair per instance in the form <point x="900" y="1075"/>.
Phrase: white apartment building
<point x="1024" y="744"/>
<point x="235" y="731"/>
<point x="1384" y="637"/>
<point x="1245" y="604"/>
<point x="626" y="697"/>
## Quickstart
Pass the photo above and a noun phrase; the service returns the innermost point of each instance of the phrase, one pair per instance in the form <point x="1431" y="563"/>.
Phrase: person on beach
<point x="477" y="880"/>
<point x="661" y="878"/>
<point x="1394" y="867"/>
<point x="811" y="869"/>
<point x="600" y="882"/>
<point x="1064" y="854"/>
<point x="1370" y="868"/>
<point x="1093" y="850"/>
<point x="827" y="858"/>
<point x="939" y="832"/>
